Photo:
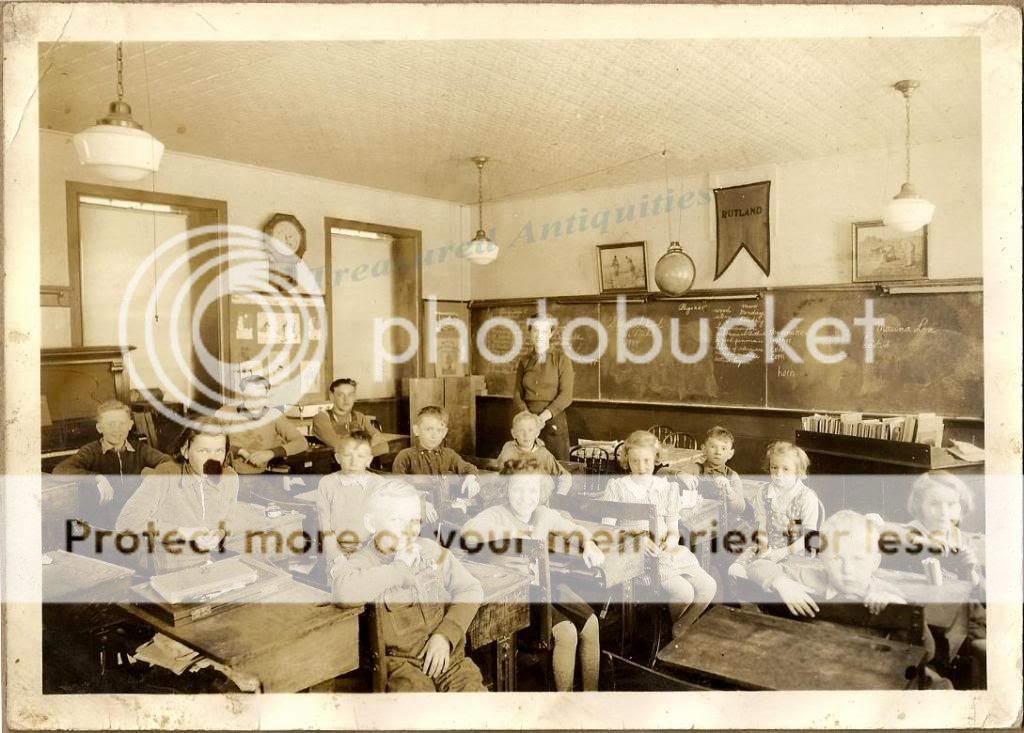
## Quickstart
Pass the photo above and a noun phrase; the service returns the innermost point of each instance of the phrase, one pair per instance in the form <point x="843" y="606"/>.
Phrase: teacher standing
<point x="544" y="385"/>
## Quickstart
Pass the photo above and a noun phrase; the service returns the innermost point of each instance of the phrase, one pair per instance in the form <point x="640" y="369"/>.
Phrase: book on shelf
<point x="925" y="427"/>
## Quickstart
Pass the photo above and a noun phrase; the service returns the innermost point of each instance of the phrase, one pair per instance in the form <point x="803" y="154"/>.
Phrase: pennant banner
<point x="742" y="223"/>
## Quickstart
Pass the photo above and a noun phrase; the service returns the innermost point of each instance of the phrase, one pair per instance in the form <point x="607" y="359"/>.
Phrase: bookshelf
<point x="874" y="475"/>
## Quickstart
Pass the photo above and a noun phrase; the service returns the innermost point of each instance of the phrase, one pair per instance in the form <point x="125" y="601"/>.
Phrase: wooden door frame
<point x="411" y="240"/>
<point x="198" y="211"/>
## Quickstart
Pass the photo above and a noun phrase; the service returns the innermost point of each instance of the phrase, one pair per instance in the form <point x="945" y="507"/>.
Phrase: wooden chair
<point x="596" y="463"/>
<point x="663" y="433"/>
<point x="682" y="440"/>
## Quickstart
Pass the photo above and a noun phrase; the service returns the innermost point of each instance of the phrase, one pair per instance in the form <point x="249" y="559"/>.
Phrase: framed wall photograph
<point x="883" y="254"/>
<point x="622" y="267"/>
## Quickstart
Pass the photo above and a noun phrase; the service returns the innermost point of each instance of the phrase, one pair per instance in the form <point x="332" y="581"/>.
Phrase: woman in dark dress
<point x="544" y="386"/>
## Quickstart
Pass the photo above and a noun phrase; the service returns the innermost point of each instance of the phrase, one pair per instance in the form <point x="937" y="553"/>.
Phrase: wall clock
<point x="286" y="229"/>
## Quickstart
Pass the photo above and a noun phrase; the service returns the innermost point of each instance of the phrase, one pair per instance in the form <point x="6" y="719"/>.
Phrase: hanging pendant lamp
<point x="675" y="272"/>
<point x="117" y="147"/>
<point x="482" y="250"/>
<point x="907" y="212"/>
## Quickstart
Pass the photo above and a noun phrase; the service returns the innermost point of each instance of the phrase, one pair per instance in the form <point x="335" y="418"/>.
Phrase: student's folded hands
<point x="796" y="596"/>
<point x="436" y="655"/>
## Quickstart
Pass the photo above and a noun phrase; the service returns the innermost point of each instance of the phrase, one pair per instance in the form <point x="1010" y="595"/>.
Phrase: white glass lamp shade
<point x="674" y="274"/>
<point x="908" y="212"/>
<point x="118" y="152"/>
<point x="482" y="251"/>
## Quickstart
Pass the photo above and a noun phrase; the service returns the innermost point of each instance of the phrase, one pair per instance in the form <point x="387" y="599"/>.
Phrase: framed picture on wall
<point x="622" y="267"/>
<point x="882" y="254"/>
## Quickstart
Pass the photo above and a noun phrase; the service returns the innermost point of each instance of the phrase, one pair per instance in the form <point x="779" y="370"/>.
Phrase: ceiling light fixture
<point x="674" y="272"/>
<point x="907" y="212"/>
<point x="482" y="250"/>
<point x="117" y="147"/>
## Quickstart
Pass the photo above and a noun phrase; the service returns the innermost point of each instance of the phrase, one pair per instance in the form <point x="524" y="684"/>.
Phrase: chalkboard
<point x="713" y="379"/>
<point x="499" y="340"/>
<point x="927" y="356"/>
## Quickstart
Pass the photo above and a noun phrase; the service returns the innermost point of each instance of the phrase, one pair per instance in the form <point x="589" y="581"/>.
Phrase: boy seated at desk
<point x="341" y="497"/>
<point x="526" y="445"/>
<point x="710" y="472"/>
<point x="842" y="571"/>
<point x="430" y="459"/>
<point x="114" y="462"/>
<point x="427" y="599"/>
<point x="524" y="515"/>
<point x="331" y="426"/>
<point x="259" y="433"/>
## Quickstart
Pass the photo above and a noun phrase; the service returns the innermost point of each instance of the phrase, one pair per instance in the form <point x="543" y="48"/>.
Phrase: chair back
<point x="663" y="433"/>
<point x="622" y="514"/>
<point x="682" y="440"/>
<point x="596" y="463"/>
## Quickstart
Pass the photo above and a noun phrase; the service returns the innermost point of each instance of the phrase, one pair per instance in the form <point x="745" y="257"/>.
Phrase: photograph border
<point x="998" y="29"/>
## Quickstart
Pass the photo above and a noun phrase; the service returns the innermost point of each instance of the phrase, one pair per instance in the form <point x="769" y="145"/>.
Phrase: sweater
<point x="543" y="384"/>
<point x="330" y="430"/>
<point x="547" y="462"/>
<point x="268" y="431"/>
<point x="172" y="497"/>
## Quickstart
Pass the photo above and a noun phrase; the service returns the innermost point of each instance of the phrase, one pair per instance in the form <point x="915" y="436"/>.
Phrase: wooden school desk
<point x="704" y="520"/>
<point x="747" y="650"/>
<point x="946" y="608"/>
<point x="289" y="641"/>
<point x="269" y="535"/>
<point x="504" y="612"/>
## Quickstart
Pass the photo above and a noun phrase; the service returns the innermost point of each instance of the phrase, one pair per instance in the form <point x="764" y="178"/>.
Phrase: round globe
<point x="674" y="273"/>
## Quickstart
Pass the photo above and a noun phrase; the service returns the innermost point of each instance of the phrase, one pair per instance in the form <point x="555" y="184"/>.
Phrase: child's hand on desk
<point x="435" y="656"/>
<point x="688" y="481"/>
<point x="592" y="555"/>
<point x="105" y="489"/>
<point x="651" y="548"/>
<point x="796" y="596"/>
<point x="470" y="487"/>
<point x="258" y="458"/>
<point x="877" y="600"/>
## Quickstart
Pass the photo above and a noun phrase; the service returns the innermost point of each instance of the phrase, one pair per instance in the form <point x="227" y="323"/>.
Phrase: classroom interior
<point x="368" y="149"/>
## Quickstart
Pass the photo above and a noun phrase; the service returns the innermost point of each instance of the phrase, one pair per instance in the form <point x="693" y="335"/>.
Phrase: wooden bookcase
<point x="873" y="475"/>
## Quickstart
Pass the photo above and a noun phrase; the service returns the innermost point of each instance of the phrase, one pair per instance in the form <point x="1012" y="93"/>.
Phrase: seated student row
<point x="778" y="506"/>
<point x="787" y="466"/>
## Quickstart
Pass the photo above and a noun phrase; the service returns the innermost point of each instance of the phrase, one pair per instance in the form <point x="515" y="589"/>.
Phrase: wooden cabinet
<point x="457" y="396"/>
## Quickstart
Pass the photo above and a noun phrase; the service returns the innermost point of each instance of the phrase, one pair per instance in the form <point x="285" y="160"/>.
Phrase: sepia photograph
<point x="316" y="395"/>
<point x="883" y="253"/>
